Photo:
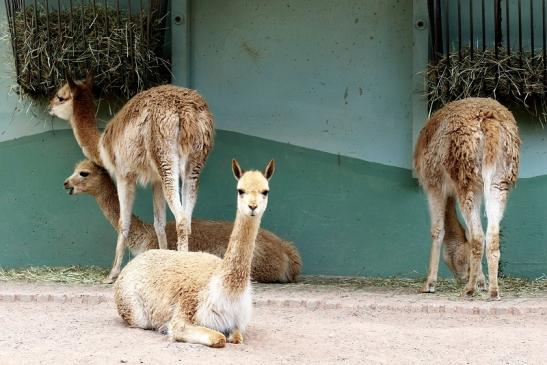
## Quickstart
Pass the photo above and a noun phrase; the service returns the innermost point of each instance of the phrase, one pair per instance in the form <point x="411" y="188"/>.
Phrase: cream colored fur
<point x="196" y="296"/>
<point x="160" y="135"/>
<point x="274" y="260"/>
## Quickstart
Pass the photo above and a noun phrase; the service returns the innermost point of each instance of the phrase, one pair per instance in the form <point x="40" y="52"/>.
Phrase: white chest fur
<point x="222" y="312"/>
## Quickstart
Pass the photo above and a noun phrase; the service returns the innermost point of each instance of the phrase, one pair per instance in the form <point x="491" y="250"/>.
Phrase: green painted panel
<point x="347" y="216"/>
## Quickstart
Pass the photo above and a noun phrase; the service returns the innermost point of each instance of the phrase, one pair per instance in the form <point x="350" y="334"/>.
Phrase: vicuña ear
<point x="238" y="172"/>
<point x="70" y="80"/>
<point x="269" y="170"/>
<point x="89" y="79"/>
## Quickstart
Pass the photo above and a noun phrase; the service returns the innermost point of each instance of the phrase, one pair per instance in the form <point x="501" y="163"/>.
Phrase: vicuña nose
<point x="66" y="184"/>
<point x="252" y="206"/>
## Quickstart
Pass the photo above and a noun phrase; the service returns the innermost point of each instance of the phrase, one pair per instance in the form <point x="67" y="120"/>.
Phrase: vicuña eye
<point x="84" y="174"/>
<point x="61" y="99"/>
<point x="265" y="192"/>
<point x="240" y="192"/>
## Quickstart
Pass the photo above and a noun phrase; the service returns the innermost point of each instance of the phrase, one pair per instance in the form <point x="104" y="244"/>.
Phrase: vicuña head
<point x="252" y="189"/>
<point x="70" y="94"/>
<point x="86" y="178"/>
<point x="195" y="296"/>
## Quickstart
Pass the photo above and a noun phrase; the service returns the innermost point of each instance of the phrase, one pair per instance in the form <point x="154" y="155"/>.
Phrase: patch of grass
<point x="509" y="286"/>
<point x="69" y="275"/>
<point x="513" y="287"/>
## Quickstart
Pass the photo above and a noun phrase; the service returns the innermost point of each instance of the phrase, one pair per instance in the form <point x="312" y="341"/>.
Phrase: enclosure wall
<point x="323" y="87"/>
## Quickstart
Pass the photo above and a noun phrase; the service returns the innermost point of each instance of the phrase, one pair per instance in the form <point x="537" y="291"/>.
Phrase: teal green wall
<point x="343" y="191"/>
<point x="346" y="216"/>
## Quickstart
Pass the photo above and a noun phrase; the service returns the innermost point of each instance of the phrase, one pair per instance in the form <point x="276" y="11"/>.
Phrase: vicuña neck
<point x="452" y="225"/>
<point x="107" y="198"/>
<point x="85" y="128"/>
<point x="236" y="265"/>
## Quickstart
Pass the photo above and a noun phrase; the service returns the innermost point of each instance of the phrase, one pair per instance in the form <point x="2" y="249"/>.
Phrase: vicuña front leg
<point x="471" y="214"/>
<point x="126" y="196"/>
<point x="437" y="206"/>
<point x="481" y="280"/>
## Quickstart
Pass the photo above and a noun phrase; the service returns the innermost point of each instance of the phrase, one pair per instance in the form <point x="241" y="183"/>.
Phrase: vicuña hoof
<point x="469" y="292"/>
<point x="428" y="288"/>
<point x="218" y="340"/>
<point x="235" y="337"/>
<point x="494" y="295"/>
<point x="108" y="280"/>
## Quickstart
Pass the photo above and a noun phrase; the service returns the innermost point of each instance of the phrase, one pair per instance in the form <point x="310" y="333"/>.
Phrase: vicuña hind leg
<point x="437" y="206"/>
<point x="168" y="167"/>
<point x="180" y="330"/>
<point x="470" y="203"/>
<point x="159" y="215"/>
<point x="190" y="177"/>
<point x="495" y="201"/>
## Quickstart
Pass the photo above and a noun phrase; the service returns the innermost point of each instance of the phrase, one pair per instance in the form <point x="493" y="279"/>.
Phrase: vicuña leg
<point x="159" y="215"/>
<point x="235" y="337"/>
<point x="495" y="201"/>
<point x="126" y="196"/>
<point x="191" y="183"/>
<point x="470" y="203"/>
<point x="168" y="166"/>
<point x="437" y="206"/>
<point x="180" y="330"/>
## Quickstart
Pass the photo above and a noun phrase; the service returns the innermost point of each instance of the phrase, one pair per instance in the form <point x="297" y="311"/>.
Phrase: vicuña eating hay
<point x="468" y="150"/>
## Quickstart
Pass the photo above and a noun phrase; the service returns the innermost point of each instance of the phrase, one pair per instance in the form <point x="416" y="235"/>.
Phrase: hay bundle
<point x="509" y="78"/>
<point x="122" y="51"/>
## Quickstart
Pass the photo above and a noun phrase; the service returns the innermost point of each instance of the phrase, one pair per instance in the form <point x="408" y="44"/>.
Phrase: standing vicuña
<point x="274" y="259"/>
<point x="469" y="149"/>
<point x="195" y="296"/>
<point x="159" y="135"/>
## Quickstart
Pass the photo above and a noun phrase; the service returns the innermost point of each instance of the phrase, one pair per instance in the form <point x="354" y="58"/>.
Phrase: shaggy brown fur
<point x="468" y="149"/>
<point x="198" y="297"/>
<point x="274" y="260"/>
<point x="159" y="136"/>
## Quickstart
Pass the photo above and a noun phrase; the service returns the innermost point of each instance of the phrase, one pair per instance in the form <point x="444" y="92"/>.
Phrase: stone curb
<point x="311" y="304"/>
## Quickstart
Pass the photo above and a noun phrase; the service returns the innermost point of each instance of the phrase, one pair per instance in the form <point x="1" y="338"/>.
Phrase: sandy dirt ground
<point x="60" y="324"/>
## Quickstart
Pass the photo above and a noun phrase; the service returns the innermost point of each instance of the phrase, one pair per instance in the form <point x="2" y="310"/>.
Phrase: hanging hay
<point x="509" y="78"/>
<point x="123" y="52"/>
